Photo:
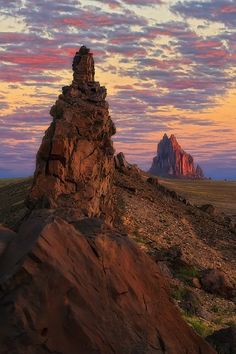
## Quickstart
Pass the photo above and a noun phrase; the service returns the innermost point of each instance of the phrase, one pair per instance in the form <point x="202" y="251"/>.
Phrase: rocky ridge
<point x="172" y="161"/>
<point x="69" y="282"/>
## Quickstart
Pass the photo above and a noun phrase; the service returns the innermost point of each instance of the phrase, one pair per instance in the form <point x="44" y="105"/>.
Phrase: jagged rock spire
<point x="74" y="164"/>
<point x="173" y="161"/>
<point x="83" y="67"/>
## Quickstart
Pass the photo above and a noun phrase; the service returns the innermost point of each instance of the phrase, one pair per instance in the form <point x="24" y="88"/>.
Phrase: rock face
<point x="172" y="161"/>
<point x="74" y="164"/>
<point x="85" y="289"/>
<point x="224" y="340"/>
<point x="69" y="283"/>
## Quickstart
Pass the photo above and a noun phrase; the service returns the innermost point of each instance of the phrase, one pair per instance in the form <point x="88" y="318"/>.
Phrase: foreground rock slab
<point x="85" y="289"/>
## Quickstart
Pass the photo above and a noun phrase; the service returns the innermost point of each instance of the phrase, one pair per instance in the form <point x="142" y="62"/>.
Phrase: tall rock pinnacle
<point x="74" y="165"/>
<point x="83" y="67"/>
<point x="172" y="161"/>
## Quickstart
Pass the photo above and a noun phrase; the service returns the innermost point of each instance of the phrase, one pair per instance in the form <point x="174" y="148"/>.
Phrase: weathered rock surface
<point x="215" y="281"/>
<point x="209" y="209"/>
<point x="6" y="236"/>
<point x="74" y="164"/>
<point x="224" y="340"/>
<point x="172" y="161"/>
<point x="120" y="162"/>
<point x="85" y="289"/>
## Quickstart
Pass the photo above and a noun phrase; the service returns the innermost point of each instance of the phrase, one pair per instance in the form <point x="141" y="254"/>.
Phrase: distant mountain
<point x="172" y="161"/>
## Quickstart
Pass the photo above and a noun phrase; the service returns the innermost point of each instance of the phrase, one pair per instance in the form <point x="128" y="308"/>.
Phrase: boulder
<point x="209" y="209"/>
<point x="120" y="162"/>
<point x="153" y="180"/>
<point x="216" y="281"/>
<point x="224" y="340"/>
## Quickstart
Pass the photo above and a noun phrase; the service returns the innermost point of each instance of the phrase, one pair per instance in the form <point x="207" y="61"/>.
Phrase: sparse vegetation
<point x="178" y="292"/>
<point x="137" y="237"/>
<point x="187" y="273"/>
<point x="222" y="194"/>
<point x="200" y="326"/>
<point x="13" y="192"/>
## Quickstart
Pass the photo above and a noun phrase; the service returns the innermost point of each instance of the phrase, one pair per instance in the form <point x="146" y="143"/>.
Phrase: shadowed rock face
<point x="74" y="166"/>
<point x="224" y="340"/>
<point x="173" y="161"/>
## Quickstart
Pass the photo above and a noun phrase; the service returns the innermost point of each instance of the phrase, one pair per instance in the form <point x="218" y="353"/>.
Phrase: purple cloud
<point x="214" y="10"/>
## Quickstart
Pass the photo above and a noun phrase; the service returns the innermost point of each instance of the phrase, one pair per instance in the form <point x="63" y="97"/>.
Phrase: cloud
<point x="170" y="65"/>
<point x="223" y="11"/>
<point x="142" y="3"/>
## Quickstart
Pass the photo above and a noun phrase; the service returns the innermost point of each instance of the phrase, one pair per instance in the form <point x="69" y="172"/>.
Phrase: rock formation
<point x="71" y="284"/>
<point x="74" y="164"/>
<point x="217" y="282"/>
<point x="172" y="161"/>
<point x="83" y="290"/>
<point x="224" y="340"/>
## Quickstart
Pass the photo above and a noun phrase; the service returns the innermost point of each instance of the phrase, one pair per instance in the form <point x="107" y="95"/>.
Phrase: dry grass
<point x="12" y="195"/>
<point x="221" y="194"/>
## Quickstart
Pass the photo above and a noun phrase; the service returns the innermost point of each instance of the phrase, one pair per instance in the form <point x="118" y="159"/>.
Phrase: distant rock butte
<point x="74" y="164"/>
<point x="172" y="161"/>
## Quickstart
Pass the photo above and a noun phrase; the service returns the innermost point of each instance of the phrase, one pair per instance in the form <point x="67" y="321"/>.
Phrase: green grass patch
<point x="178" y="292"/>
<point x="200" y="326"/>
<point x="187" y="273"/>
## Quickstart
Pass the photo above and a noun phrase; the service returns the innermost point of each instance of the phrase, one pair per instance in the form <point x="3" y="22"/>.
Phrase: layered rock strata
<point x="74" y="164"/>
<point x="172" y="161"/>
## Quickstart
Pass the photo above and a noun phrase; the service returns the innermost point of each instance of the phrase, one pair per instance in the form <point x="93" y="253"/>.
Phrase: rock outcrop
<point x="85" y="289"/>
<point x="215" y="281"/>
<point x="172" y="161"/>
<point x="69" y="282"/>
<point x="224" y="340"/>
<point x="74" y="164"/>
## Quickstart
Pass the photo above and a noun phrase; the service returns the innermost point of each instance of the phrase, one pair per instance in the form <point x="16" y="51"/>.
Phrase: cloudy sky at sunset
<point x="169" y="66"/>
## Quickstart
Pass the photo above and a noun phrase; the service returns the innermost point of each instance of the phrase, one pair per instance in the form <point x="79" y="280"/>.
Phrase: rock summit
<point x="74" y="165"/>
<point x="172" y="161"/>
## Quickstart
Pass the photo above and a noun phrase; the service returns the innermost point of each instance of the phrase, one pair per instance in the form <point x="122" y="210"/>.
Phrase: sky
<point x="169" y="67"/>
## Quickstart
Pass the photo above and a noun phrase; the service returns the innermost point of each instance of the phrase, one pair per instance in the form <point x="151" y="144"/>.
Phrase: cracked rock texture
<point x="172" y="161"/>
<point x="84" y="288"/>
<point x="74" y="166"/>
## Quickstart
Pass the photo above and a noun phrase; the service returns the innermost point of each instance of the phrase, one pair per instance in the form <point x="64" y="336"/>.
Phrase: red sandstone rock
<point x="173" y="161"/>
<point x="215" y="281"/>
<point x="74" y="165"/>
<point x="85" y="289"/>
<point x="120" y="162"/>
